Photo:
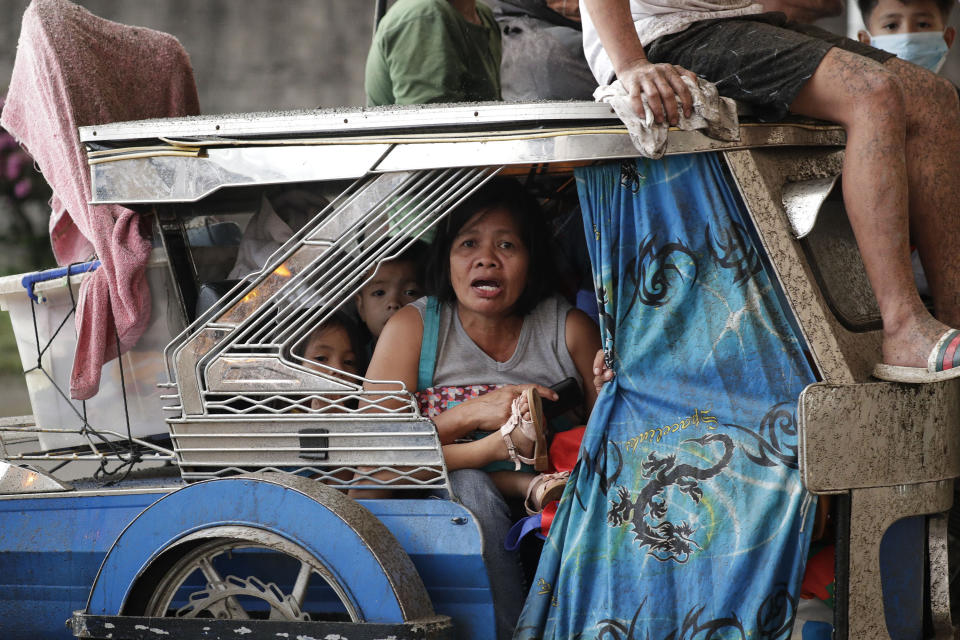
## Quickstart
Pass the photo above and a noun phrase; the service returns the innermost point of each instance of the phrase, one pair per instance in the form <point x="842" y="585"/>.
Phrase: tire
<point x="270" y="546"/>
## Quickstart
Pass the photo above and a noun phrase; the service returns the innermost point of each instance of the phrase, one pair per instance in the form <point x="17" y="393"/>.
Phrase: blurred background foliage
<point x="24" y="243"/>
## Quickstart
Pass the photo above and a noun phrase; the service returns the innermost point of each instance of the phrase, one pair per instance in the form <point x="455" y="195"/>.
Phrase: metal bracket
<point x="18" y="480"/>
<point x="802" y="201"/>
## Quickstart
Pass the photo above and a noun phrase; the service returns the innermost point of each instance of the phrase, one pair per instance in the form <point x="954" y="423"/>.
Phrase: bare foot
<point x="910" y="344"/>
<point x="525" y="446"/>
<point x="524" y="407"/>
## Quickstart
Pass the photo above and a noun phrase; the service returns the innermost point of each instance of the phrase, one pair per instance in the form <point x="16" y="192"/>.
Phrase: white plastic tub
<point x="142" y="366"/>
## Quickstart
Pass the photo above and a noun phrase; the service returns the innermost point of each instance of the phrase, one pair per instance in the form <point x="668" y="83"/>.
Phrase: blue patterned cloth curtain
<point x="685" y="518"/>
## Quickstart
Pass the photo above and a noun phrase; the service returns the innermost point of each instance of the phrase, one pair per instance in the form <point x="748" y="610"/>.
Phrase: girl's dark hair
<point x="498" y="193"/>
<point x="341" y="319"/>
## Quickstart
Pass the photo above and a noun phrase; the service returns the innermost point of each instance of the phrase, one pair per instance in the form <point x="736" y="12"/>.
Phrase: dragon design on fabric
<point x="649" y="272"/>
<point x="596" y="464"/>
<point x="776" y="437"/>
<point x="692" y="627"/>
<point x="776" y="614"/>
<point x="774" y="620"/>
<point x="731" y="250"/>
<point x="607" y="324"/>
<point x="666" y="540"/>
<point x="630" y="177"/>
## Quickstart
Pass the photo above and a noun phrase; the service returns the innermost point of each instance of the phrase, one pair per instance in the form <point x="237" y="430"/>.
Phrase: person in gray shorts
<point x="903" y="139"/>
<point x="763" y="60"/>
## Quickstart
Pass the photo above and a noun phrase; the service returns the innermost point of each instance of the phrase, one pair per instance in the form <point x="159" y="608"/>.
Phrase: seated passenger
<point x="480" y="355"/>
<point x="903" y="138"/>
<point x="805" y="11"/>
<point x="282" y="212"/>
<point x="915" y="30"/>
<point x="542" y="51"/>
<point x="393" y="285"/>
<point x="434" y="51"/>
<point x="335" y="348"/>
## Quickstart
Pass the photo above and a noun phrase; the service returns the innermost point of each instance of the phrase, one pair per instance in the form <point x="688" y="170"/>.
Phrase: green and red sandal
<point x="943" y="363"/>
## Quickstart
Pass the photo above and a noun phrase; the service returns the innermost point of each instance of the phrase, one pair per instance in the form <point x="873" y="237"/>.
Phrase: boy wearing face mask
<point x="913" y="30"/>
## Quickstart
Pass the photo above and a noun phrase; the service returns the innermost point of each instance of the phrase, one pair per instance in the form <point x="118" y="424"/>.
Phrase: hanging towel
<point x="74" y="69"/>
<point x="716" y="114"/>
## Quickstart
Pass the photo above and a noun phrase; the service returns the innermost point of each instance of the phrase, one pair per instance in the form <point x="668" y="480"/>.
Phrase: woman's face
<point x="489" y="263"/>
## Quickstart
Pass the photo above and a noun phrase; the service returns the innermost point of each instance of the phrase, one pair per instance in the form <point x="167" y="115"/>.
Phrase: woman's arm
<point x="397" y="357"/>
<point x="583" y="341"/>
<point x="484" y="413"/>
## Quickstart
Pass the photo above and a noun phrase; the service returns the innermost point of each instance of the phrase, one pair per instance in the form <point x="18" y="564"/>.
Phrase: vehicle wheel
<point x="238" y="573"/>
<point x="265" y="546"/>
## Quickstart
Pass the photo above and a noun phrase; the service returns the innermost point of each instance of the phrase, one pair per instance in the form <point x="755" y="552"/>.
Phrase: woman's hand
<point x="489" y="411"/>
<point x="601" y="373"/>
<point x="483" y="413"/>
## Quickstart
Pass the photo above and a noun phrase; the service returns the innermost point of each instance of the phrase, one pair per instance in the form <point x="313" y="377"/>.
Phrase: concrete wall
<point x="248" y="55"/>
<point x="252" y="55"/>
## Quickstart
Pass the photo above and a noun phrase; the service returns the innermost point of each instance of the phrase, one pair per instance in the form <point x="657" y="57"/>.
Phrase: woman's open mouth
<point x="486" y="288"/>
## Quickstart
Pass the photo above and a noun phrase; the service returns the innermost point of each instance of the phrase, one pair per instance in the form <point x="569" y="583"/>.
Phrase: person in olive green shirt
<point x="434" y="51"/>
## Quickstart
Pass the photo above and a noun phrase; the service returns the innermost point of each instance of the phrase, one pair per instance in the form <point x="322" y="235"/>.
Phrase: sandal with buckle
<point x="544" y="489"/>
<point x="533" y="430"/>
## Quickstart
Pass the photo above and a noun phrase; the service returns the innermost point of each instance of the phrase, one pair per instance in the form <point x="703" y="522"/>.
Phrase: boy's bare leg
<point x="933" y="158"/>
<point x="868" y="100"/>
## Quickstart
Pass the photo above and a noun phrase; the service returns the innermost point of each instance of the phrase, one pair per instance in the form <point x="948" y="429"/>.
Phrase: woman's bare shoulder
<point x="405" y="322"/>
<point x="397" y="353"/>
<point x="579" y="323"/>
<point x="401" y="338"/>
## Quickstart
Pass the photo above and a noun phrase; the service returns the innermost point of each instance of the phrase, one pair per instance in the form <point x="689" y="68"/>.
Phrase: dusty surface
<point x="247" y="56"/>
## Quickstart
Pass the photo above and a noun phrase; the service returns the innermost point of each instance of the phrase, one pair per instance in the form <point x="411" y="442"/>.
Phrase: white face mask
<point x="926" y="48"/>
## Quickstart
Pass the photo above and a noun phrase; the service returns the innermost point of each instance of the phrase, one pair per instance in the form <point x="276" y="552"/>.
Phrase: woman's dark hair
<point x="498" y="193"/>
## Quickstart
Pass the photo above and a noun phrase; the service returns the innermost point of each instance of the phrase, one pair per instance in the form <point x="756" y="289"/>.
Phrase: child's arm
<point x="601" y="373"/>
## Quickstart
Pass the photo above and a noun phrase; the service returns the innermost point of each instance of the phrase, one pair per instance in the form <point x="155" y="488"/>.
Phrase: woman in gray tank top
<point x="491" y="331"/>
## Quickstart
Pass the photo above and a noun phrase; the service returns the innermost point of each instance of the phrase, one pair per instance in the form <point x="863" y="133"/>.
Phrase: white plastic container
<point x="142" y="366"/>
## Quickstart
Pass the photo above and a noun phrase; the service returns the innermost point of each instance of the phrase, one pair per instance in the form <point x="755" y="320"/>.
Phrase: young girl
<point x="335" y="348"/>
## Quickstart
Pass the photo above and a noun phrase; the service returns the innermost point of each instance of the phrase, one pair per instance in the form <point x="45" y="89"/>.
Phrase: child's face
<point x="393" y="286"/>
<point x="892" y="16"/>
<point x="332" y="347"/>
<point x="909" y="30"/>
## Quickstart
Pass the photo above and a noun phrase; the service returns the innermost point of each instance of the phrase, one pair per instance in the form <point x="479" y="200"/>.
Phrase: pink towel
<point x="74" y="69"/>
